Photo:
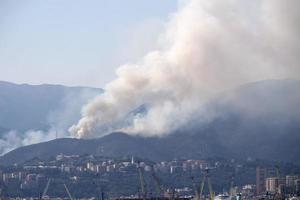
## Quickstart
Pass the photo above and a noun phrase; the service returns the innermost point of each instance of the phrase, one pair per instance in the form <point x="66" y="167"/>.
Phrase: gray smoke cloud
<point x="208" y="46"/>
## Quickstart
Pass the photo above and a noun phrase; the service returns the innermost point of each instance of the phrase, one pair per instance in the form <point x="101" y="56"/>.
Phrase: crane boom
<point x="159" y="186"/>
<point x="211" y="192"/>
<point x="142" y="182"/>
<point x="46" y="188"/>
<point x="202" y="186"/>
<point x="68" y="192"/>
<point x="197" y="195"/>
<point x="207" y="177"/>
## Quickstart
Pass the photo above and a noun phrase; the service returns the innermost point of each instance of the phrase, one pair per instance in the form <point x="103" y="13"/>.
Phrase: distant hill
<point x="113" y="145"/>
<point x="257" y="120"/>
<point x="26" y="106"/>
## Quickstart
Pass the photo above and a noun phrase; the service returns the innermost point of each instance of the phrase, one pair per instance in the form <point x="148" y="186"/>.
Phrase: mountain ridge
<point x="18" y="101"/>
<point x="247" y="124"/>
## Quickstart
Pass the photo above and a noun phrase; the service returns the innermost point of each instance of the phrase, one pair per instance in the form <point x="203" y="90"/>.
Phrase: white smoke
<point x="59" y="120"/>
<point x="14" y="139"/>
<point x="208" y="46"/>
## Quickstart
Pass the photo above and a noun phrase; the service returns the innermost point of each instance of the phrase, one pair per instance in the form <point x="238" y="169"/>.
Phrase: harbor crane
<point x="207" y="178"/>
<point x="161" y="190"/>
<point x="99" y="189"/>
<point x="159" y="187"/>
<point x="68" y="192"/>
<point x="44" y="195"/>
<point x="142" y="182"/>
<point x="197" y="196"/>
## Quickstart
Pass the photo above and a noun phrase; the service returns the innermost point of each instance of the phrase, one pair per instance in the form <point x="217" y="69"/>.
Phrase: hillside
<point x="113" y="145"/>
<point x="257" y="120"/>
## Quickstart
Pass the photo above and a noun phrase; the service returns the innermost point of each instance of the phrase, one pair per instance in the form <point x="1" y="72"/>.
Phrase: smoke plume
<point x="57" y="124"/>
<point x="14" y="139"/>
<point x="208" y="46"/>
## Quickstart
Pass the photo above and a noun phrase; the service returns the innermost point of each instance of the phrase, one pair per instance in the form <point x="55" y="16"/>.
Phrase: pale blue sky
<point x="76" y="42"/>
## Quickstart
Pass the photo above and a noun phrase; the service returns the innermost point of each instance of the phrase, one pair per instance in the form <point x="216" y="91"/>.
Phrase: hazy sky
<point x="76" y="42"/>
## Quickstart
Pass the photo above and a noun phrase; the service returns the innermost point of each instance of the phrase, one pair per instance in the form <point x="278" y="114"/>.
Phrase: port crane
<point x="44" y="195"/>
<point x="207" y="178"/>
<point x="142" y="182"/>
<point x="68" y="192"/>
<point x="197" y="196"/>
<point x="99" y="189"/>
<point x="159" y="187"/>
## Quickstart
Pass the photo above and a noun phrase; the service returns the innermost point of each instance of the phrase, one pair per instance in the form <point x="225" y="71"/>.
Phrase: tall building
<point x="275" y="185"/>
<point x="272" y="184"/>
<point x="290" y="180"/>
<point x="261" y="174"/>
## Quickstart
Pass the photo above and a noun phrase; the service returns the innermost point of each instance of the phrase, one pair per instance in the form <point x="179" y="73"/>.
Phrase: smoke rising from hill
<point x="207" y="47"/>
<point x="14" y="139"/>
<point x="58" y="119"/>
